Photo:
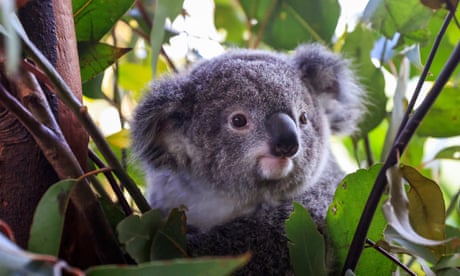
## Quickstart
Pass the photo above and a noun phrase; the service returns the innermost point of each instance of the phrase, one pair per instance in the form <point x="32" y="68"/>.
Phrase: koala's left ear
<point x="328" y="76"/>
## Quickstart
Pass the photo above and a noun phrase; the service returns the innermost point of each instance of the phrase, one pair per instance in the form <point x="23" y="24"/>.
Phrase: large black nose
<point x="283" y="135"/>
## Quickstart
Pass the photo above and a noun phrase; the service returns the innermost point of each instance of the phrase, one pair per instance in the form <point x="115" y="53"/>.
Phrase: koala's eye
<point x="239" y="120"/>
<point x="303" y="118"/>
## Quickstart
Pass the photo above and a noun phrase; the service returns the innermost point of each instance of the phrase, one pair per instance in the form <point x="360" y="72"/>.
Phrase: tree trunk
<point x="25" y="174"/>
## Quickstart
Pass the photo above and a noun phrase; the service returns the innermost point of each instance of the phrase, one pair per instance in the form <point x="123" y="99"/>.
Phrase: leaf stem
<point x="389" y="256"/>
<point x="398" y="147"/>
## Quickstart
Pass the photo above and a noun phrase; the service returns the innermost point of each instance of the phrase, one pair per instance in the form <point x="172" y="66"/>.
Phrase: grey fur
<point x="237" y="189"/>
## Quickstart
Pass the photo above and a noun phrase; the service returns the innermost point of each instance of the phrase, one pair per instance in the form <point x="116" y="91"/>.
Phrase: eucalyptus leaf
<point x="343" y="216"/>
<point x="408" y="18"/>
<point x="286" y="23"/>
<point x="190" y="267"/>
<point x="443" y="119"/>
<point x="396" y="210"/>
<point x="94" y="18"/>
<point x="357" y="48"/>
<point x="96" y="57"/>
<point x="136" y="233"/>
<point x="120" y="139"/>
<point x="452" y="152"/>
<point x="48" y="221"/>
<point x="306" y="244"/>
<point x="170" y="241"/>
<point x="426" y="205"/>
<point x="164" y="9"/>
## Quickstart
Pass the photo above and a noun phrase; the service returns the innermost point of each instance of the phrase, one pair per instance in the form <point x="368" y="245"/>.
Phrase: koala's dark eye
<point x="239" y="121"/>
<point x="303" y="118"/>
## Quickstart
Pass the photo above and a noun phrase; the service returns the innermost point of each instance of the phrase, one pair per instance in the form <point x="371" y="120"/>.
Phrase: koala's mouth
<point x="273" y="168"/>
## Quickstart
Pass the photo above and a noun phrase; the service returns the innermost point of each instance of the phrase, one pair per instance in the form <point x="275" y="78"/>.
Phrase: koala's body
<point x="238" y="138"/>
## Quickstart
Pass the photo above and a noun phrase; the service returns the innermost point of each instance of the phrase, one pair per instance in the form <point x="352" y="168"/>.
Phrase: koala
<point x="237" y="138"/>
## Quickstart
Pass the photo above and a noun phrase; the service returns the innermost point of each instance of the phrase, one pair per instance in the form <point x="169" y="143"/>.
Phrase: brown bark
<point x="24" y="172"/>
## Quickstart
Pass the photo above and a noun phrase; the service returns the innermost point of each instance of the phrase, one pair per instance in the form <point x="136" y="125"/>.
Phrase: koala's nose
<point x="283" y="134"/>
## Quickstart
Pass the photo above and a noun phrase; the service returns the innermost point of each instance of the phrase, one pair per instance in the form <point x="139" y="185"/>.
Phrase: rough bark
<point x="24" y="172"/>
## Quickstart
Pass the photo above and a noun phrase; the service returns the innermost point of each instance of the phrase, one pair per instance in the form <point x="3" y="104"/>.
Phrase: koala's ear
<point x="328" y="76"/>
<point x="157" y="128"/>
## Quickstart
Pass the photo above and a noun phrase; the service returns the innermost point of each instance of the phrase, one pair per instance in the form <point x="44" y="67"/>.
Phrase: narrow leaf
<point x="189" y="267"/>
<point x="306" y="244"/>
<point x="120" y="139"/>
<point x="94" y="18"/>
<point x="96" y="57"/>
<point x="449" y="153"/>
<point x="164" y="9"/>
<point x="48" y="221"/>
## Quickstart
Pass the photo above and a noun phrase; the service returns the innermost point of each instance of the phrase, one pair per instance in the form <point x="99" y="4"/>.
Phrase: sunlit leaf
<point x="137" y="232"/>
<point x="170" y="241"/>
<point x="306" y="244"/>
<point x="94" y="18"/>
<point x="189" y="267"/>
<point x="230" y="18"/>
<point x="357" y="47"/>
<point x="134" y="77"/>
<point x="96" y="57"/>
<point x="343" y="216"/>
<point x="449" y="153"/>
<point x="396" y="210"/>
<point x="408" y="18"/>
<point x="48" y="222"/>
<point x="443" y="118"/>
<point x="164" y="9"/>
<point x="121" y="139"/>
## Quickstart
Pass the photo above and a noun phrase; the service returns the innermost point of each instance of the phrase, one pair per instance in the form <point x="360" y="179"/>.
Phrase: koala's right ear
<point x="158" y="124"/>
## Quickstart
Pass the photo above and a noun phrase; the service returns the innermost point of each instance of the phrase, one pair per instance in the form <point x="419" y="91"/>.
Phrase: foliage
<point x="407" y="229"/>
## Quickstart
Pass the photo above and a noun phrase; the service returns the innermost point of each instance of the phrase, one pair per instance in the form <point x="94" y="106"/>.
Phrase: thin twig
<point x="389" y="256"/>
<point x="113" y="183"/>
<point x="398" y="147"/>
<point x="367" y="148"/>
<point x="263" y="25"/>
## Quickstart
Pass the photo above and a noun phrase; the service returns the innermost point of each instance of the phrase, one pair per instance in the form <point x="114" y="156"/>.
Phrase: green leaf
<point x="48" y="221"/>
<point x="443" y="119"/>
<point x="343" y="216"/>
<point x="286" y="23"/>
<point x="164" y="9"/>
<point x="92" y="87"/>
<point x="230" y="17"/>
<point x="449" y="153"/>
<point x="170" y="241"/>
<point x="396" y="210"/>
<point x="190" y="267"/>
<point x="448" y="261"/>
<point x="427" y="213"/>
<point x="408" y="18"/>
<point x="357" y="47"/>
<point x="121" y="139"/>
<point x="94" y="18"/>
<point x="306" y="244"/>
<point x="137" y="232"/>
<point x="96" y="57"/>
<point x="135" y="77"/>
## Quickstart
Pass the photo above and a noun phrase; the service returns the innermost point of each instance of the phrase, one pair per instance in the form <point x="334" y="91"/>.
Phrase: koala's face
<point x="249" y="125"/>
<point x="254" y="130"/>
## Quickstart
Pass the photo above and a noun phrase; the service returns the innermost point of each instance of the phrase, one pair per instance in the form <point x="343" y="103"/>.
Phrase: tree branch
<point x="398" y="147"/>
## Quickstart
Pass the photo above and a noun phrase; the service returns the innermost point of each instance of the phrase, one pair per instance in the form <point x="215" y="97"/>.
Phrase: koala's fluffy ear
<point x="328" y="76"/>
<point x="158" y="123"/>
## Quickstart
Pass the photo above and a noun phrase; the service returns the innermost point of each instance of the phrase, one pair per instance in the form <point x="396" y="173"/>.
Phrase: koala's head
<point x="252" y="125"/>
